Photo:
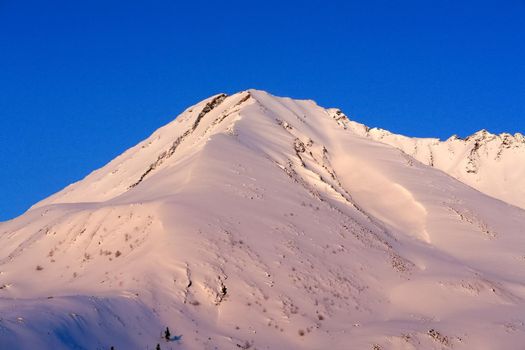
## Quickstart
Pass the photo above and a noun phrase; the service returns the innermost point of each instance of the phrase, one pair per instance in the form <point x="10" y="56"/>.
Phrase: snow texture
<point x="258" y="222"/>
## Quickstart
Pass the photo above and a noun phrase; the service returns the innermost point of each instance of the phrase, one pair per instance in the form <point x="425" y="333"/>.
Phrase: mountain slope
<point x="492" y="164"/>
<point x="253" y="221"/>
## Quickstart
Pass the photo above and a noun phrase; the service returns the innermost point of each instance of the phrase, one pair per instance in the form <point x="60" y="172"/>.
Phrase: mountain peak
<point x="186" y="134"/>
<point x="481" y="135"/>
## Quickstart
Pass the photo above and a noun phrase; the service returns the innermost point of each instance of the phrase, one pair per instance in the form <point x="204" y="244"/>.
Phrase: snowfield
<point x="258" y="222"/>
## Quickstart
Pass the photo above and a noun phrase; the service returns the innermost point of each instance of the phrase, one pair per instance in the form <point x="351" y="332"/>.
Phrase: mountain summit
<point x="253" y="221"/>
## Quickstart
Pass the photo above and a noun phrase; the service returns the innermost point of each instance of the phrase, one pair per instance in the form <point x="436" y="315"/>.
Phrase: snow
<point x="274" y="223"/>
<point x="492" y="164"/>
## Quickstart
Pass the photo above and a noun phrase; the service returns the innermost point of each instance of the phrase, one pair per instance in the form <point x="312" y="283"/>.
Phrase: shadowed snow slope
<point x="253" y="221"/>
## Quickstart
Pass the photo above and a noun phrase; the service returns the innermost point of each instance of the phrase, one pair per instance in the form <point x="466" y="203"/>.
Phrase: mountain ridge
<point x="482" y="160"/>
<point x="504" y="140"/>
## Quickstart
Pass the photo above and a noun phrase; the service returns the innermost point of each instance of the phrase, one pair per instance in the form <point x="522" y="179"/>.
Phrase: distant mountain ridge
<point x="493" y="164"/>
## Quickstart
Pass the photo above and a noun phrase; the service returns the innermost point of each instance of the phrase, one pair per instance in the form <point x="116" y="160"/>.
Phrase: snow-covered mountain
<point x="253" y="221"/>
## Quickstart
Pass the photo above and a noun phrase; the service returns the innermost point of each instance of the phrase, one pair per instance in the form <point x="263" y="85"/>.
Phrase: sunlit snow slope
<point x="253" y="221"/>
<point x="492" y="164"/>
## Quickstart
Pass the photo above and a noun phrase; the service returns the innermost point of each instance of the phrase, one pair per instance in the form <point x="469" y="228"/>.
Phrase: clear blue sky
<point x="81" y="81"/>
